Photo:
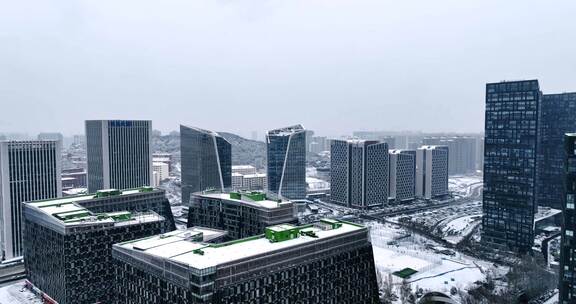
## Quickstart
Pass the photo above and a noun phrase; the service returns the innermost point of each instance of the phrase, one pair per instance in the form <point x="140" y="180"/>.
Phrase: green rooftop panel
<point x="108" y="192"/>
<point x="282" y="233"/>
<point x="256" y="196"/>
<point x="120" y="216"/>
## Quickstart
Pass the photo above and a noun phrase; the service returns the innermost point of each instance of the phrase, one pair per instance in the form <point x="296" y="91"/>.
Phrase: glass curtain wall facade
<point x="558" y="116"/>
<point x="206" y="161"/>
<point x="509" y="199"/>
<point x="286" y="161"/>
<point x="568" y="241"/>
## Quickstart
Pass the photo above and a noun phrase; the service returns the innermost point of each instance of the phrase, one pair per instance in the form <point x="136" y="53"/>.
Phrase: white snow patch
<point x="18" y="294"/>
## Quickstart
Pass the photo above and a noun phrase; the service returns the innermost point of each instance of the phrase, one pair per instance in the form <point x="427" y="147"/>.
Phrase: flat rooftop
<point x="286" y="131"/>
<point x="267" y="203"/>
<point x="69" y="212"/>
<point x="200" y="255"/>
<point x="85" y="197"/>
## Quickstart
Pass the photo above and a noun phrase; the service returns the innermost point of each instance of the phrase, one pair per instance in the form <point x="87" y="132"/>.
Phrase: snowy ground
<point x="439" y="269"/>
<point x="452" y="223"/>
<point x="15" y="293"/>
<point x="464" y="185"/>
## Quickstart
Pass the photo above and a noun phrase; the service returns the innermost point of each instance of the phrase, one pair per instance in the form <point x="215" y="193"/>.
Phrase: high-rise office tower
<point x="558" y="116"/>
<point x="29" y="170"/>
<point x="286" y="161"/>
<point x="402" y="175"/>
<point x="325" y="262"/>
<point x="206" y="161"/>
<point x="432" y="171"/>
<point x="568" y="239"/>
<point x="119" y="154"/>
<point x="509" y="199"/>
<point x="68" y="241"/>
<point x="359" y="173"/>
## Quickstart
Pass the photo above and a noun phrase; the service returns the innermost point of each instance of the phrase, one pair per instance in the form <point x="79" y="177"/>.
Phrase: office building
<point x="244" y="169"/>
<point x="237" y="181"/>
<point x="402" y="175"/>
<point x="359" y="173"/>
<point x="326" y="262"/>
<point x="242" y="214"/>
<point x="68" y="245"/>
<point x="318" y="144"/>
<point x="206" y="161"/>
<point x="73" y="178"/>
<point x="161" y="172"/>
<point x="567" y="284"/>
<point x="119" y="154"/>
<point x="432" y="171"/>
<point x="558" y="116"/>
<point x="256" y="181"/>
<point x="29" y="170"/>
<point x="509" y="197"/>
<point x="161" y="157"/>
<point x="286" y="161"/>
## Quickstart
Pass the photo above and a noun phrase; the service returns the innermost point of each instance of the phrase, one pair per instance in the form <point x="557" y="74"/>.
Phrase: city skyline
<point x="373" y="61"/>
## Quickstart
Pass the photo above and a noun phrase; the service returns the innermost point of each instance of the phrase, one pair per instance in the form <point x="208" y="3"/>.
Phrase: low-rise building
<point x="326" y="262"/>
<point x="242" y="214"/>
<point x="244" y="169"/>
<point x="161" y="171"/>
<point x="68" y="246"/>
<point x="256" y="181"/>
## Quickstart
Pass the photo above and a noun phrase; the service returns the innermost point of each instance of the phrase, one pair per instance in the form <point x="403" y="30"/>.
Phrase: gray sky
<point x="334" y="66"/>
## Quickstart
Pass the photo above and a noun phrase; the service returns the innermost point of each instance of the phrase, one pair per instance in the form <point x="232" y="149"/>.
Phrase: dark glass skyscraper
<point x="286" y="156"/>
<point x="206" y="161"/>
<point x="558" y="116"/>
<point x="568" y="242"/>
<point x="119" y="154"/>
<point x="512" y="110"/>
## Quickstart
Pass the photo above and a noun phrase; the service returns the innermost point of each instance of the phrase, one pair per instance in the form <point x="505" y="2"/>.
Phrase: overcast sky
<point x="239" y="65"/>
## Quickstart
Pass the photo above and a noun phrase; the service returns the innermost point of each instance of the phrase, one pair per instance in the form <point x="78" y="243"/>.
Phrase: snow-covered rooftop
<point x="201" y="255"/>
<point x="269" y="204"/>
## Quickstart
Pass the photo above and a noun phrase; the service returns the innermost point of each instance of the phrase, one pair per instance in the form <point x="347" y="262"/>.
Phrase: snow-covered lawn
<point x="447" y="275"/>
<point x="462" y="184"/>
<point x="457" y="229"/>
<point x="439" y="269"/>
<point x="17" y="294"/>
